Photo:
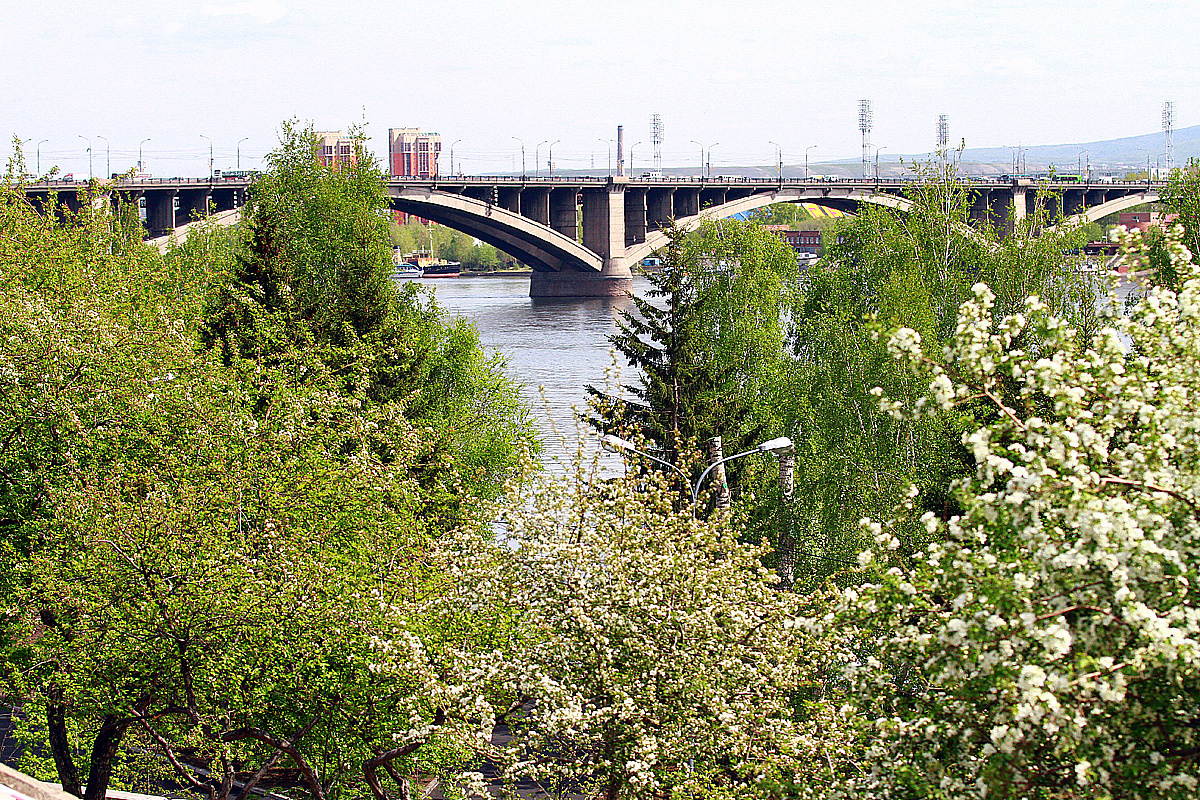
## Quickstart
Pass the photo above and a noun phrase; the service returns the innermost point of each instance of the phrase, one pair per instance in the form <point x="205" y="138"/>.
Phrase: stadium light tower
<point x="656" y="136"/>
<point x="864" y="125"/>
<point x="1168" y="121"/>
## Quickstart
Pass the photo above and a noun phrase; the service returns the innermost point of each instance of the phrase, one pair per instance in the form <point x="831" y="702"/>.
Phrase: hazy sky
<point x="740" y="73"/>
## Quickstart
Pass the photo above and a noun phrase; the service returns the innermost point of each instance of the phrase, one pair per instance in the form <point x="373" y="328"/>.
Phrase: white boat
<point x="407" y="270"/>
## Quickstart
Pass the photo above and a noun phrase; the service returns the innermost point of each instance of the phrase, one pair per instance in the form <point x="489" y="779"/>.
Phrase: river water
<point x="553" y="347"/>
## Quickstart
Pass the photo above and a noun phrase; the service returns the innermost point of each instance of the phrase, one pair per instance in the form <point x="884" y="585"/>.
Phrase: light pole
<point x="550" y="157"/>
<point x="693" y="141"/>
<point x="635" y="144"/>
<point x="456" y="141"/>
<point x="39" y="157"/>
<point x="89" y="152"/>
<point x="778" y="158"/>
<point x="522" y="157"/>
<point x="536" y="166"/>
<point x="141" y="167"/>
<point x="877" y="149"/>
<point x="107" y="158"/>
<point x="210" y="156"/>
<point x="609" y="143"/>
<point x="777" y="446"/>
<point x="239" y="152"/>
<point x="810" y="147"/>
<point x="709" y="161"/>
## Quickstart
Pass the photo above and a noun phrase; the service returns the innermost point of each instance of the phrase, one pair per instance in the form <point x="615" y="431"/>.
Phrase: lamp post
<point x="210" y="156"/>
<point x="609" y="143"/>
<point x="635" y="144"/>
<point x="709" y="161"/>
<point x="550" y="157"/>
<point x="777" y="446"/>
<point x="537" y="166"/>
<point x="877" y="149"/>
<point x="810" y="147"/>
<point x="107" y="158"/>
<point x="239" y="152"/>
<point x="693" y="141"/>
<point x="522" y="157"/>
<point x="39" y="157"/>
<point x="456" y="141"/>
<point x="141" y="167"/>
<point x="89" y="152"/>
<point x="778" y="158"/>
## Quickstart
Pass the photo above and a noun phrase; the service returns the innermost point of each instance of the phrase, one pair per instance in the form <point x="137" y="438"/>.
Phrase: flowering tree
<point x="649" y="651"/>
<point x="1046" y="645"/>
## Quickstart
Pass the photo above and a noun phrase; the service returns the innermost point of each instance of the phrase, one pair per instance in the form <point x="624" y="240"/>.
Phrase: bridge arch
<point x="1095" y="213"/>
<point x="657" y="239"/>
<point x="541" y="247"/>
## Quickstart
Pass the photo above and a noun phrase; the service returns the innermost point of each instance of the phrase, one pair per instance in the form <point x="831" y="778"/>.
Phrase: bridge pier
<point x="160" y="213"/>
<point x="564" y="212"/>
<point x="604" y="233"/>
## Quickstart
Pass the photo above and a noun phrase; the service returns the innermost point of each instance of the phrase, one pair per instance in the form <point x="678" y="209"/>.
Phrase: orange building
<point x="413" y="153"/>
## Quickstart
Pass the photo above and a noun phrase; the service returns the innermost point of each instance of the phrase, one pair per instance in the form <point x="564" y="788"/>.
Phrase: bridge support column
<point x="160" y="212"/>
<point x="635" y="216"/>
<point x="564" y="212"/>
<point x="603" y="234"/>
<point x="687" y="202"/>
<point x="193" y="203"/>
<point x="535" y="204"/>
<point x="658" y="207"/>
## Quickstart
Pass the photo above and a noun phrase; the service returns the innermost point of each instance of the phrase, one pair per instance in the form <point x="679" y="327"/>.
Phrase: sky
<point x="737" y="75"/>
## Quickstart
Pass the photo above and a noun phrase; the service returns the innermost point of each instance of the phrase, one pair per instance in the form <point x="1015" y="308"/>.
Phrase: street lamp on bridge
<point x="635" y="144"/>
<point x="877" y="149"/>
<point x="522" y="141"/>
<point x="693" y="141"/>
<point x="709" y="160"/>
<point x="608" y="142"/>
<point x="778" y="158"/>
<point x="39" y="157"/>
<point x="141" y="167"/>
<point x="89" y="152"/>
<point x="810" y="147"/>
<point x="550" y="157"/>
<point x="239" y="152"/>
<point x="456" y="141"/>
<point x="536" y="165"/>
<point x="210" y="156"/>
<point x="107" y="157"/>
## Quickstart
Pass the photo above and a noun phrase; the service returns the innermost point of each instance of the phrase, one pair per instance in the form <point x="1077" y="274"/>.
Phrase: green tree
<point x="1045" y="645"/>
<point x="706" y="343"/>
<point x="883" y="270"/>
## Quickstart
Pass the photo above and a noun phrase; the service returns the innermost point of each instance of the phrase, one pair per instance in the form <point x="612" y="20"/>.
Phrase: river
<point x="553" y="347"/>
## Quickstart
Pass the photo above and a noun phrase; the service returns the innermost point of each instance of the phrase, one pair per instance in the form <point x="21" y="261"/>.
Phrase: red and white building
<point x="412" y="153"/>
<point x="335" y="149"/>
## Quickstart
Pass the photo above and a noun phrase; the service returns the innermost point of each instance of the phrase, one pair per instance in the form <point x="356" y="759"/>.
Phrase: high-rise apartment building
<point x="413" y="153"/>
<point x="335" y="149"/>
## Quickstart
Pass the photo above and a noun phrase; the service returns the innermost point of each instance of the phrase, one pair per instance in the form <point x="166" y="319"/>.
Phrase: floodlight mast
<point x="1168" y="122"/>
<point x="865" y="121"/>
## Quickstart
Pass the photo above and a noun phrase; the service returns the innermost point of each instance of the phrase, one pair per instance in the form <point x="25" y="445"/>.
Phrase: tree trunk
<point x="60" y="744"/>
<point x="104" y="751"/>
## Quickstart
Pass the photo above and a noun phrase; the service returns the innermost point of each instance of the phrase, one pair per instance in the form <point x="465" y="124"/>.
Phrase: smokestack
<point x="620" y="150"/>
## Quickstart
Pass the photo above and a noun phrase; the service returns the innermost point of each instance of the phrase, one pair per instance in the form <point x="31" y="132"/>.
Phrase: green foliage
<point x="313" y="274"/>
<point x="706" y="344"/>
<point x="790" y="214"/>
<point x="883" y="270"/>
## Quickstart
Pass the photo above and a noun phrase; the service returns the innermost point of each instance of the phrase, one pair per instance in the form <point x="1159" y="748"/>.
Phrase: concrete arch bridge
<point x="582" y="235"/>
